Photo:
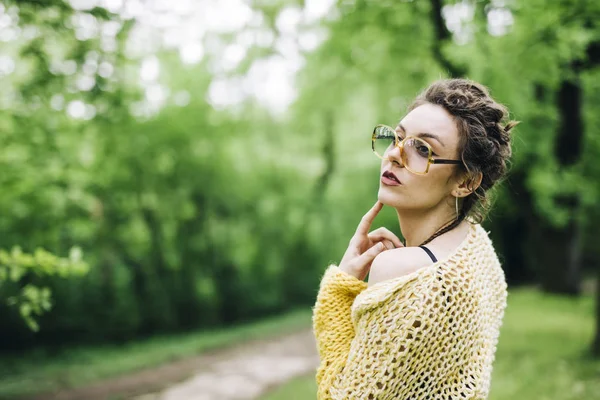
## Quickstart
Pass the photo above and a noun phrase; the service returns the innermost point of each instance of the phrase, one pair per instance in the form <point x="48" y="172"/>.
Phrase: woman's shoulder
<point x="396" y="263"/>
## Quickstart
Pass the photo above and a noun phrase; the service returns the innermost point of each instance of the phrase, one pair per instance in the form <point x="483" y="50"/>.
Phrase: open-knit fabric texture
<point x="428" y="335"/>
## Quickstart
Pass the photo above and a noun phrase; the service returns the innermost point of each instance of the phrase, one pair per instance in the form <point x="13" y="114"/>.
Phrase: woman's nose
<point x="395" y="156"/>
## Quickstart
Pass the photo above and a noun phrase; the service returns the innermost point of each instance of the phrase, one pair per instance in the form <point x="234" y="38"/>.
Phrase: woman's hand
<point x="365" y="246"/>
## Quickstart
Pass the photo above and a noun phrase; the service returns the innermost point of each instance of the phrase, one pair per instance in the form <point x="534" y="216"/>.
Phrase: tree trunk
<point x="559" y="257"/>
<point x="596" y="343"/>
<point x="328" y="151"/>
<point x="570" y="132"/>
<point x="592" y="61"/>
<point x="443" y="36"/>
<point x="511" y="232"/>
<point x="560" y="247"/>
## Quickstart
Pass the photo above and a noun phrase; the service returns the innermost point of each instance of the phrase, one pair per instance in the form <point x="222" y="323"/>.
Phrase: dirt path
<point x="241" y="372"/>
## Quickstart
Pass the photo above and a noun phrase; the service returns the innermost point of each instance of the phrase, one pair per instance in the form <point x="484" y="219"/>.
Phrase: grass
<point x="541" y="354"/>
<point x="36" y="372"/>
<point x="543" y="349"/>
<point x="302" y="388"/>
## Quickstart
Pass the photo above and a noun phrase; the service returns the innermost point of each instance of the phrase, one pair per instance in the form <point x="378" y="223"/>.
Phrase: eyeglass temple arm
<point x="443" y="161"/>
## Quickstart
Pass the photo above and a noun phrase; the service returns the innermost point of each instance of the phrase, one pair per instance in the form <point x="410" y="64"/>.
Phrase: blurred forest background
<point x="187" y="165"/>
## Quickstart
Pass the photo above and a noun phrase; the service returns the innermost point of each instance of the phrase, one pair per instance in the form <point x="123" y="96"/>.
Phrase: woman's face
<point x="435" y="125"/>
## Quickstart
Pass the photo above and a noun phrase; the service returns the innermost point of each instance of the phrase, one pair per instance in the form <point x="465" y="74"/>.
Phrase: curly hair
<point x="484" y="146"/>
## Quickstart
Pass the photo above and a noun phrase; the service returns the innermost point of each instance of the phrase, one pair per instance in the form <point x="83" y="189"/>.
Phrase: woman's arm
<point x="332" y="321"/>
<point x="332" y="324"/>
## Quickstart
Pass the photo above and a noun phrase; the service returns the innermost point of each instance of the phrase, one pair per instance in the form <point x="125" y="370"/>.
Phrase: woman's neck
<point x="418" y="227"/>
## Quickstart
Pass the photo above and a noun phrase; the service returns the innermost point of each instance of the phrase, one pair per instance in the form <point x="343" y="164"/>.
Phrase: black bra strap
<point x="429" y="253"/>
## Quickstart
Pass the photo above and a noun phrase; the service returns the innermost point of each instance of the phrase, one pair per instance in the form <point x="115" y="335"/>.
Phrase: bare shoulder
<point x="395" y="263"/>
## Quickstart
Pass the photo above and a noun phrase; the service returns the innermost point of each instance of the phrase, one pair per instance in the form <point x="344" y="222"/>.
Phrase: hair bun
<point x="457" y="99"/>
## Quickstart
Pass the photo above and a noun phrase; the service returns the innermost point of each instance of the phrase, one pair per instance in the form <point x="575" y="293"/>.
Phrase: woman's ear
<point x="468" y="184"/>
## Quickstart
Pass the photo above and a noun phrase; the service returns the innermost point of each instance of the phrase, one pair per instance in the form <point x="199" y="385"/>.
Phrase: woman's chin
<point x="385" y="197"/>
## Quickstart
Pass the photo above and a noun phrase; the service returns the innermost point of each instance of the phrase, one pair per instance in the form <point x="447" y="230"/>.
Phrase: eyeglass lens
<point x="415" y="154"/>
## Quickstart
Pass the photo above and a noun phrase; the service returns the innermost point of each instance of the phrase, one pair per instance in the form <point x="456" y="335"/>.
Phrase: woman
<point x="426" y="324"/>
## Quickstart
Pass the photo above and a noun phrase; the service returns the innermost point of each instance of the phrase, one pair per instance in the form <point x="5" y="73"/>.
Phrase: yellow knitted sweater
<point x="430" y="334"/>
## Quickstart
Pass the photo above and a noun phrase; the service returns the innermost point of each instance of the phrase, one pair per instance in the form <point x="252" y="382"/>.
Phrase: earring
<point x="456" y="207"/>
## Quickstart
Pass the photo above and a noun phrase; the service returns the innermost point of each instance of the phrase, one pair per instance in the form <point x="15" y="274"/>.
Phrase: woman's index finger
<point x="368" y="218"/>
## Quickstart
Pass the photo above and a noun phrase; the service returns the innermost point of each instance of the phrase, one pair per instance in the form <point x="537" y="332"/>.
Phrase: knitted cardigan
<point x="430" y="334"/>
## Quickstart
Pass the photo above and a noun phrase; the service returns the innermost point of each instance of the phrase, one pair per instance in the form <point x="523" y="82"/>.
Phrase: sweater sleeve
<point x="332" y="324"/>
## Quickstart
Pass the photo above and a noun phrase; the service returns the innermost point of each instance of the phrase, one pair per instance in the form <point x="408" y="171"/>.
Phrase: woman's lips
<point x="388" y="178"/>
<point x="389" y="182"/>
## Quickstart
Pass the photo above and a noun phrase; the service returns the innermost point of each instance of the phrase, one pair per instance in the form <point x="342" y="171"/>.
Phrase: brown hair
<point x="484" y="145"/>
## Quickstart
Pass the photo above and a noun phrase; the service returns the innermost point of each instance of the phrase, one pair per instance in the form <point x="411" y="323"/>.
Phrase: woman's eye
<point x="423" y="150"/>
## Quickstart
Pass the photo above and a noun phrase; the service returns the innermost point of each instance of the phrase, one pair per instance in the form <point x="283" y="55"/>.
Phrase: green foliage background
<point x="196" y="216"/>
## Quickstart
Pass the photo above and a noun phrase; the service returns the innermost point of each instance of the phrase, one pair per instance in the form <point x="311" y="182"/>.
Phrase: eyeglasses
<point x="416" y="154"/>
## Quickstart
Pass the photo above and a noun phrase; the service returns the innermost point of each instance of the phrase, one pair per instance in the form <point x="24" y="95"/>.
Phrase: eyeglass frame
<point x="400" y="144"/>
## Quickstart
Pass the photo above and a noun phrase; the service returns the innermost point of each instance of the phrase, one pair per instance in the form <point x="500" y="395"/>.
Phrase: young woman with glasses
<point x="426" y="323"/>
